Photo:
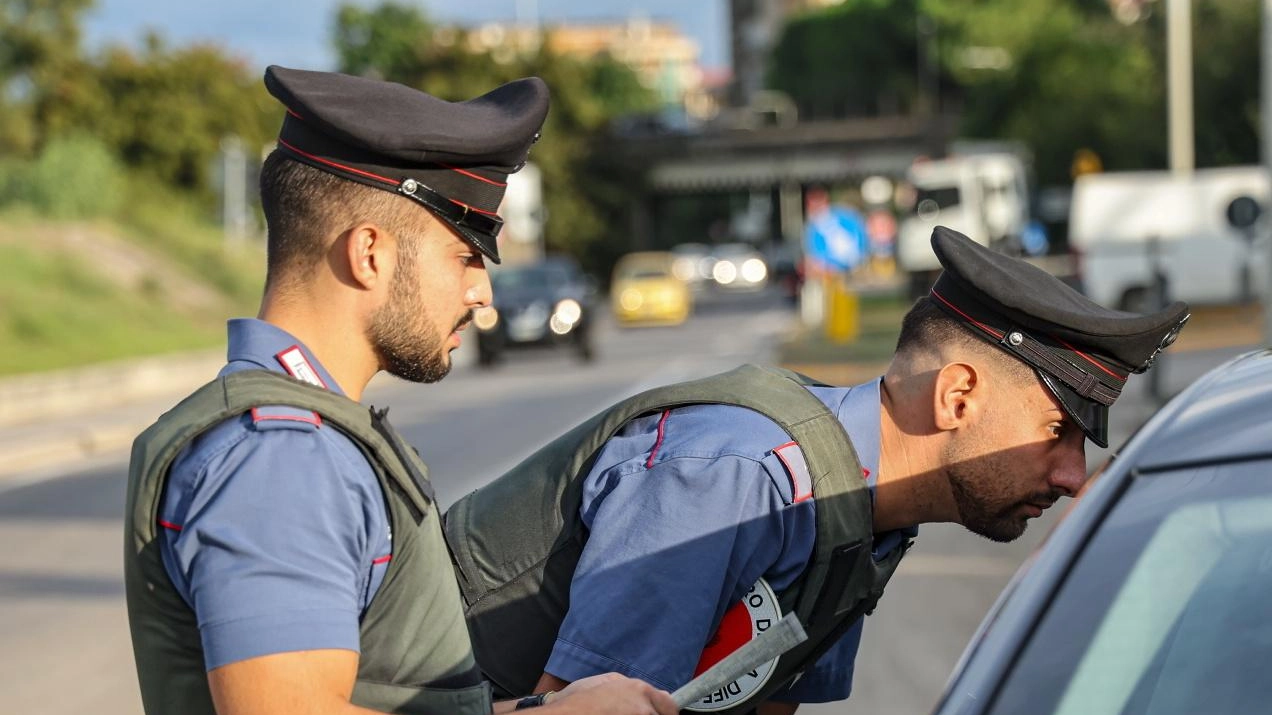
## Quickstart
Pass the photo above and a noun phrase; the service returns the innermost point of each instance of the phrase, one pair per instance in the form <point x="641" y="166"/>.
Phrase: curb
<point x="43" y="397"/>
<point x="54" y="420"/>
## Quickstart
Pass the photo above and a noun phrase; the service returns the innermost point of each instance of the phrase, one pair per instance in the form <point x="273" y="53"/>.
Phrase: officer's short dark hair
<point x="303" y="205"/>
<point x="926" y="326"/>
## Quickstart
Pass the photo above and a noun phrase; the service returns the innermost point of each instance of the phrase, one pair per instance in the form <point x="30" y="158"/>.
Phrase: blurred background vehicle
<point x="645" y="290"/>
<point x="548" y="303"/>
<point x="786" y="269"/>
<point x="693" y="264"/>
<point x="739" y="266"/>
<point x="1151" y="596"/>
<point x="1129" y="227"/>
<point x="984" y="196"/>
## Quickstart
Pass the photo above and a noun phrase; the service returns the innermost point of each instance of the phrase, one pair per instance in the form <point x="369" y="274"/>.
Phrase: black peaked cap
<point x="1082" y="351"/>
<point x="451" y="157"/>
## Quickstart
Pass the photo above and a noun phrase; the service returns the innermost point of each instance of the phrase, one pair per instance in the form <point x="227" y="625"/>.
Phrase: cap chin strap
<point x="457" y="213"/>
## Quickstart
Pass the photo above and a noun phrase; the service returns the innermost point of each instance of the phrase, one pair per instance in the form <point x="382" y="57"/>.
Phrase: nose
<point x="480" y="293"/>
<point x="1068" y="472"/>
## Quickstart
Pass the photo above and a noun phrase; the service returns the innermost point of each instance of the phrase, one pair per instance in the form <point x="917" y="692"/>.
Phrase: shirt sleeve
<point x="670" y="547"/>
<point x="271" y="549"/>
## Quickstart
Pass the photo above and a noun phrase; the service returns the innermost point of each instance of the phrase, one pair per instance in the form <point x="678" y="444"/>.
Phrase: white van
<point x="982" y="196"/>
<point x="1117" y="220"/>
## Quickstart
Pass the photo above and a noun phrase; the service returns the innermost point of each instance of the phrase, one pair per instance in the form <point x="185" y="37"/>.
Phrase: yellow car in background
<point x="645" y="289"/>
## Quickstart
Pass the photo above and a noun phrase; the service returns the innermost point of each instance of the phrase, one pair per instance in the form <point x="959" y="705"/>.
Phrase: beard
<point x="982" y="493"/>
<point x="405" y="339"/>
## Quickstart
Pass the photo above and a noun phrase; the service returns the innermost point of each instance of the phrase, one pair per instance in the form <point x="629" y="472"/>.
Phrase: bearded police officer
<point x="284" y="552"/>
<point x="661" y="534"/>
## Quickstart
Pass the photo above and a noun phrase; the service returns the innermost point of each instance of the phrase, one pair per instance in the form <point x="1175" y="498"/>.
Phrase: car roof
<point x="1221" y="417"/>
<point x="1226" y="418"/>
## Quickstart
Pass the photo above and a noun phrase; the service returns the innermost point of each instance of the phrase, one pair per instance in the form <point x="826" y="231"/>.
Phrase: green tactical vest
<point x="517" y="541"/>
<point x="416" y="657"/>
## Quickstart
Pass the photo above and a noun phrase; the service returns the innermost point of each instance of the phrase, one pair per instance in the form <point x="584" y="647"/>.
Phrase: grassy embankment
<point x="156" y="278"/>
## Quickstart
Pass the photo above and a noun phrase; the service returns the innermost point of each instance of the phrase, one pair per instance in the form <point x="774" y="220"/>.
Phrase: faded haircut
<point x="927" y="327"/>
<point x="305" y="207"/>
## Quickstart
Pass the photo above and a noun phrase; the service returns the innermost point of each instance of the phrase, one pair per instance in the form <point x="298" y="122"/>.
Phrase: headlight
<point x="631" y="299"/>
<point x="753" y="271"/>
<point x="684" y="269"/>
<point x="486" y="318"/>
<point x="567" y="311"/>
<point x="724" y="272"/>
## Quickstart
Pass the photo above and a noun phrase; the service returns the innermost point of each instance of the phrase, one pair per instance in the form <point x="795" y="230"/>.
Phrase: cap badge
<point x="1166" y="342"/>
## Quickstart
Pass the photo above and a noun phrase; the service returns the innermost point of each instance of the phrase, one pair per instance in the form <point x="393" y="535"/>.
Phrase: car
<point x="693" y="264"/>
<point x="645" y="290"/>
<point x="547" y="303"/>
<point x="1153" y="595"/>
<point x="739" y="266"/>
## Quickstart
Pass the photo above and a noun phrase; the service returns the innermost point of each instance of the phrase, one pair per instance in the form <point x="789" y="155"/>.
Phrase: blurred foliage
<point x="1063" y="75"/>
<point x="584" y="201"/>
<point x="857" y="58"/>
<point x="170" y="109"/>
<point x="75" y="177"/>
<point x="161" y="111"/>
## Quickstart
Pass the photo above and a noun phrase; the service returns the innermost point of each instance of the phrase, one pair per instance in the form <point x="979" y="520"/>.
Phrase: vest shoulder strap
<point x="238" y="393"/>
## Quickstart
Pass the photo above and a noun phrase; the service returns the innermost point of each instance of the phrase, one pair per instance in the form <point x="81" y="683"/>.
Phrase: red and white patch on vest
<point x="755" y="613"/>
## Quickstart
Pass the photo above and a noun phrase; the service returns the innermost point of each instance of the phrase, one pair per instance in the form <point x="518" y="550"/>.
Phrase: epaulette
<point x="285" y="417"/>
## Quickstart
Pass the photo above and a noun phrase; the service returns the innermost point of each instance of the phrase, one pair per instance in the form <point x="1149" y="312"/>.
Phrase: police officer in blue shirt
<point x="695" y="519"/>
<point x="273" y="527"/>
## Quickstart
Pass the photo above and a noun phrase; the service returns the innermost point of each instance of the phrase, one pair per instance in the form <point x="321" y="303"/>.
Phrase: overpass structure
<point x="780" y="160"/>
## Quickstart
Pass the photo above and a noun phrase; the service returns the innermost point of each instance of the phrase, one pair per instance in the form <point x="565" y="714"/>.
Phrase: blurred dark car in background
<point x="693" y="264"/>
<point x="544" y="304"/>
<point x="739" y="267"/>
<point x="1153" y="596"/>
<point x="786" y="269"/>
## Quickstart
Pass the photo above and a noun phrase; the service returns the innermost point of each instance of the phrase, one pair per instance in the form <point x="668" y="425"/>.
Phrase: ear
<point x="956" y="395"/>
<point x="369" y="251"/>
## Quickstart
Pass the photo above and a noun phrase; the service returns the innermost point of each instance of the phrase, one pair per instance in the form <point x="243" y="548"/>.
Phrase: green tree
<point x="857" y="58"/>
<point x="1065" y="74"/>
<point x="43" y="77"/>
<point x="171" y="108"/>
<point x="583" y="200"/>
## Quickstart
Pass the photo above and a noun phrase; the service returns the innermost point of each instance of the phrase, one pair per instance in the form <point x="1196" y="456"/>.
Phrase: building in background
<point x="663" y="58"/>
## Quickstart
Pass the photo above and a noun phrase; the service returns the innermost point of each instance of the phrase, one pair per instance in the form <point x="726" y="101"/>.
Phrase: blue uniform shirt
<point x="276" y="531"/>
<point x="685" y="510"/>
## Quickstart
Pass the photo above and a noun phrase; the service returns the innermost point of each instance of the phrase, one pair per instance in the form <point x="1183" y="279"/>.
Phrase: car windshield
<point x="538" y="275"/>
<point x="935" y="198"/>
<point x="643" y="267"/>
<point x="1168" y="611"/>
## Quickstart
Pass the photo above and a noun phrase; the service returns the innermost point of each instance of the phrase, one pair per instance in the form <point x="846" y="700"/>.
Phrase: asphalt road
<point x="62" y="619"/>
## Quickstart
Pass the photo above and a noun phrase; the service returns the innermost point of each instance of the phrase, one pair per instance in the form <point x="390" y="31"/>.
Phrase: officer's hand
<point x="612" y="694"/>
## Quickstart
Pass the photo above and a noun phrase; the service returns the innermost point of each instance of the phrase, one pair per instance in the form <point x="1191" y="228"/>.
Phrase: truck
<point x="981" y="195"/>
<point x="1136" y="232"/>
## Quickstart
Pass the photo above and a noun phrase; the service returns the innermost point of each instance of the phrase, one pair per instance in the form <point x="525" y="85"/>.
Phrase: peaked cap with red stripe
<point x="1082" y="351"/>
<point x="453" y="158"/>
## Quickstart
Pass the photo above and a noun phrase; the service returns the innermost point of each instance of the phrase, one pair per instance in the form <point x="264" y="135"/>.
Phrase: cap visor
<point x="486" y="244"/>
<point x="1091" y="416"/>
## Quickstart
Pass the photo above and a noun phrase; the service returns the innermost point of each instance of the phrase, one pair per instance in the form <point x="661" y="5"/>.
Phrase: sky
<point x="296" y="33"/>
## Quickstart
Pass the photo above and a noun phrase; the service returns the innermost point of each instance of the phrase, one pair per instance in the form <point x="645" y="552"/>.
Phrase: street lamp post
<point x="1179" y="84"/>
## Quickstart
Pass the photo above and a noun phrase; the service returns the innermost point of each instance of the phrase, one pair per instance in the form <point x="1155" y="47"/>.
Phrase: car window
<point x="1168" y="611"/>
<point x="637" y="269"/>
<point x="514" y="277"/>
